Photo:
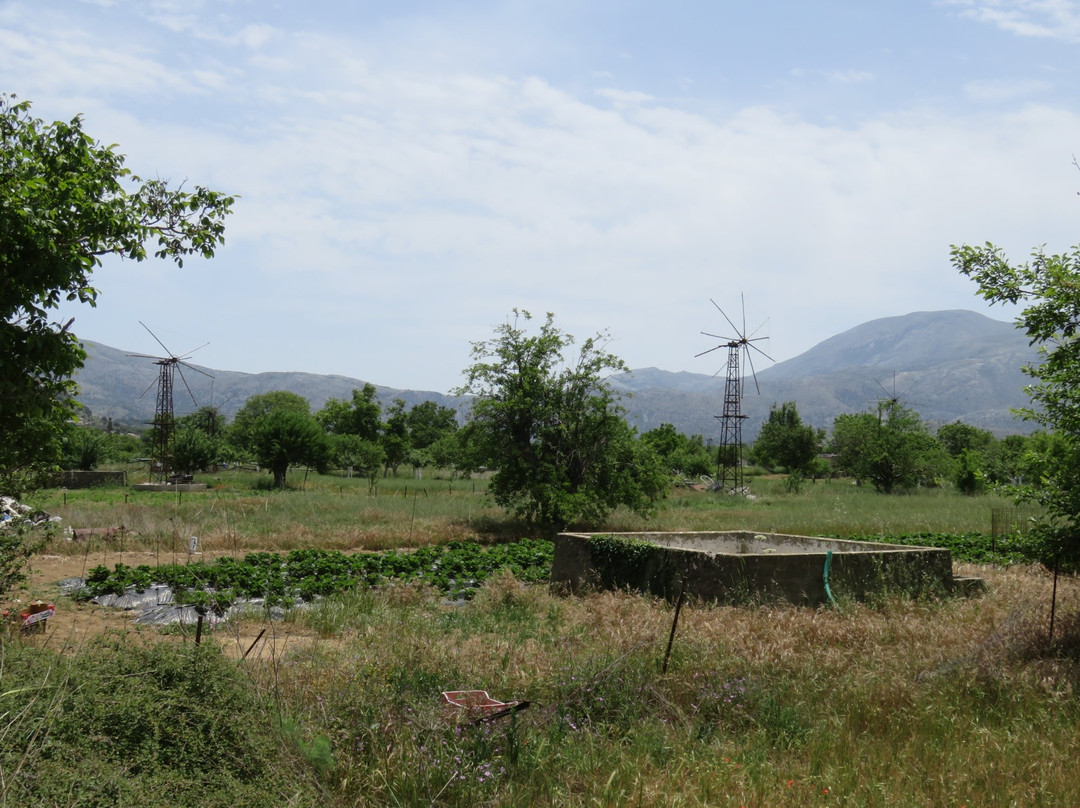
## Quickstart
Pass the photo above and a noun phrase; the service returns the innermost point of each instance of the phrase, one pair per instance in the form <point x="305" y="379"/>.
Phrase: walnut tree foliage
<point x="66" y="201"/>
<point x="552" y="429"/>
<point x="1048" y="288"/>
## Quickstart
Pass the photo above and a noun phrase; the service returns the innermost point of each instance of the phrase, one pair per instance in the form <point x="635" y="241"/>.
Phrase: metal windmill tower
<point x="164" y="423"/>
<point x="729" y="466"/>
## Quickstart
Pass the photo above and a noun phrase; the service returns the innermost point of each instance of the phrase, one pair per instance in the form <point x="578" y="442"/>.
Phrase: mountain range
<point x="946" y="365"/>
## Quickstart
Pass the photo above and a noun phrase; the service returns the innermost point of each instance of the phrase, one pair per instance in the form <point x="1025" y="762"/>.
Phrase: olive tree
<point x="552" y="430"/>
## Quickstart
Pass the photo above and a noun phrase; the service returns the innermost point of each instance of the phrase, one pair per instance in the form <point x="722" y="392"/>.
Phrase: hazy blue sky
<point x="412" y="171"/>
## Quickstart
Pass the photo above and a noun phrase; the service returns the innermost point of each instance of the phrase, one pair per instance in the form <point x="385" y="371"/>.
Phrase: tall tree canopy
<point x="1048" y="287"/>
<point x="66" y="201"/>
<point x="554" y="432"/>
<point x="784" y="440"/>
<point x="890" y="448"/>
<point x="242" y="431"/>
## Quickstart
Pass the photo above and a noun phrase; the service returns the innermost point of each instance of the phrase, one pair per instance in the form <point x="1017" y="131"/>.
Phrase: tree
<point x="785" y="441"/>
<point x="890" y="448"/>
<point x="395" y="438"/>
<point x="353" y="452"/>
<point x="360" y="416"/>
<point x="193" y="450"/>
<point x="428" y="422"/>
<point x="82" y="448"/>
<point x="1048" y="287"/>
<point x="65" y="202"/>
<point x="959" y="437"/>
<point x="285" y="437"/>
<point x="683" y="456"/>
<point x="554" y="433"/>
<point x="256" y="408"/>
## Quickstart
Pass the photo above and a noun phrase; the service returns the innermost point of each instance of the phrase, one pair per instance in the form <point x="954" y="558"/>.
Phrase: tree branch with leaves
<point x="66" y="201"/>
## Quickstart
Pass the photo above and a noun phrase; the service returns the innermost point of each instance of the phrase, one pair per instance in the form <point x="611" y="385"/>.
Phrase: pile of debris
<point x="13" y="512"/>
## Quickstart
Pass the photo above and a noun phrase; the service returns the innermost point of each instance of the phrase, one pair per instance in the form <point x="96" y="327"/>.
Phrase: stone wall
<point x="89" y="479"/>
<point x="741" y="567"/>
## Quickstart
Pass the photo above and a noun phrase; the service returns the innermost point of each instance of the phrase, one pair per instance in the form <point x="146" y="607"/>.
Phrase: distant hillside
<point x="114" y="384"/>
<point x="947" y="365"/>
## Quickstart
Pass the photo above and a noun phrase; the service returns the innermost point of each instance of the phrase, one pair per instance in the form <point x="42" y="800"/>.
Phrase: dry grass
<point x="957" y="702"/>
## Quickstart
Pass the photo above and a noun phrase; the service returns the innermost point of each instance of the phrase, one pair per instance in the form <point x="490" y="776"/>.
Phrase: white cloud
<point x="400" y="209"/>
<point x="1053" y="19"/>
<point x="1004" y="90"/>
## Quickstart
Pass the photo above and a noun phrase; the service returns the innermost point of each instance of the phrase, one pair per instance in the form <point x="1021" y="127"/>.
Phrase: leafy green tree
<point x="1003" y="464"/>
<point x="359" y="416"/>
<point x="65" y="202"/>
<point x="972" y="450"/>
<point x="683" y="456"/>
<point x="122" y="447"/>
<point x="891" y="448"/>
<point x="447" y="451"/>
<point x="554" y="433"/>
<point x="285" y="437"/>
<point x="785" y="441"/>
<point x="959" y="437"/>
<point x="365" y="457"/>
<point x="242" y="431"/>
<point x="1048" y="287"/>
<point x="428" y="422"/>
<point x="395" y="441"/>
<point x="82" y="448"/>
<point x="193" y="450"/>
<point x="969" y="476"/>
<point x="207" y="419"/>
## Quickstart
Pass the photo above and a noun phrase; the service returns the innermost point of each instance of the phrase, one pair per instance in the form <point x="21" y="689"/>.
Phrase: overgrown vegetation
<point x="126" y="723"/>
<point x="340" y="704"/>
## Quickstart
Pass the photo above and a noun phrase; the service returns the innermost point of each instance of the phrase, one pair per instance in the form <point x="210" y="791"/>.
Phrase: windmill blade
<point x="750" y="361"/>
<point x="890" y="397"/>
<point x="145" y="356"/>
<point x="710" y="350"/>
<point x="742" y="299"/>
<point x="734" y="327"/>
<point x="752" y="336"/>
<point x="159" y="342"/>
<point x="189" y="366"/>
<point x="147" y="390"/>
<point x="726" y="340"/>
<point x="186" y="385"/>
<point x="187" y="354"/>
<point x="750" y="344"/>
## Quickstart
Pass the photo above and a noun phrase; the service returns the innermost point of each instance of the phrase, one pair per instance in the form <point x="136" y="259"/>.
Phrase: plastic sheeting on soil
<point x="156" y="605"/>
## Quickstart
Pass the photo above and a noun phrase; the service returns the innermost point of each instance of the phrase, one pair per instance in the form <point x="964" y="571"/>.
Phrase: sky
<point x="409" y="173"/>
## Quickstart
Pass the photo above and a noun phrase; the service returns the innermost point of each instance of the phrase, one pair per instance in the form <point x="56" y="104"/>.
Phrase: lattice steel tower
<point x="729" y="463"/>
<point x="163" y="425"/>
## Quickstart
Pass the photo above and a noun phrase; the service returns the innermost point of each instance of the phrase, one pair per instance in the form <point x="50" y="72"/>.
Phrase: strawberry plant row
<point x="457" y="568"/>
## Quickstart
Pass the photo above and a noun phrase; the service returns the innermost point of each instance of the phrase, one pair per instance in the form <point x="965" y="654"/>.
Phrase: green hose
<point x="828" y="565"/>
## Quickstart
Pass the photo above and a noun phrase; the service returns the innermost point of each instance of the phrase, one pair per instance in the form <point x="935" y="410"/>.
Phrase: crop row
<point x="456" y="568"/>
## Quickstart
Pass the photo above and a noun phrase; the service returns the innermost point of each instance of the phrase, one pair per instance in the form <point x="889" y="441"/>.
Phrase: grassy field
<point x="338" y="513"/>
<point x="937" y="703"/>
